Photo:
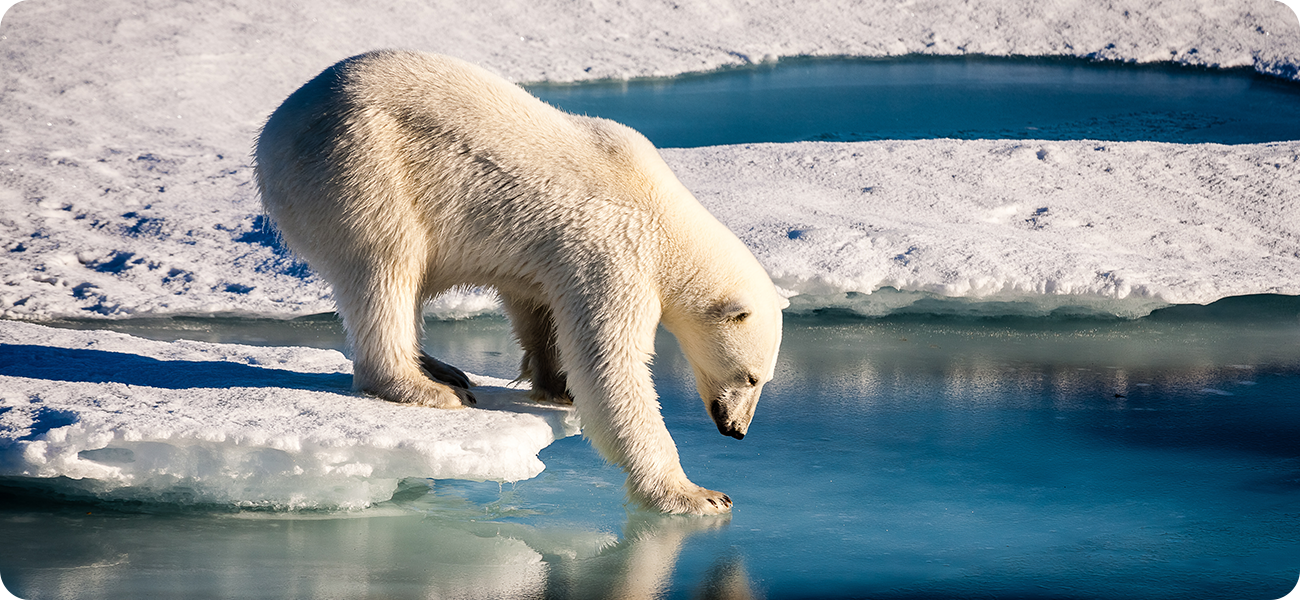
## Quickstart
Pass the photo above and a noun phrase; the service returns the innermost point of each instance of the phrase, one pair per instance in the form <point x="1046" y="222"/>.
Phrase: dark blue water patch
<point x="1254" y="308"/>
<point x="975" y="97"/>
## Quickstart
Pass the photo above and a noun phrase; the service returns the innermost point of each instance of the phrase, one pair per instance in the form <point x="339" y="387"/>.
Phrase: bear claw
<point x="444" y="373"/>
<point x="700" y="501"/>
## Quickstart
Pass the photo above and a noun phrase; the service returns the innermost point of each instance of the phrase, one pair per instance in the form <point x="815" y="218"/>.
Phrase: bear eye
<point x="753" y="381"/>
<point x="740" y="317"/>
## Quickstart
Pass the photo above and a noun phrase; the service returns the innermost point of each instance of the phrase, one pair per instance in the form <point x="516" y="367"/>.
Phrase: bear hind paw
<point x="423" y="393"/>
<point x="544" y="396"/>
<point x="444" y="373"/>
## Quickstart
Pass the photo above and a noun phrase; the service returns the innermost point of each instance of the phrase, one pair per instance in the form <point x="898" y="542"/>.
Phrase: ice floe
<point x="113" y="416"/>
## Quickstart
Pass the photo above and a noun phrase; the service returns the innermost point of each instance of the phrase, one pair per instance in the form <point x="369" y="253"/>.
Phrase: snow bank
<point x="122" y="417"/>
<point x="125" y="185"/>
<point x="1019" y="226"/>
<point x="1032" y="226"/>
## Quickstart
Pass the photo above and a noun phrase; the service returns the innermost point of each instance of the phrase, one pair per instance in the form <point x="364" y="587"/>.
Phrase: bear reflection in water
<point x="641" y="565"/>
<point x="395" y="555"/>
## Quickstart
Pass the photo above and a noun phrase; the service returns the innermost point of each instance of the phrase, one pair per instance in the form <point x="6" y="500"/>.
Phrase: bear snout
<point x="731" y="431"/>
<point x="726" y="425"/>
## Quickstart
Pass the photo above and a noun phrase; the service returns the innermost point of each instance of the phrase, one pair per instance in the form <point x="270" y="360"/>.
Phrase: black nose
<point x="724" y="430"/>
<point x="720" y="419"/>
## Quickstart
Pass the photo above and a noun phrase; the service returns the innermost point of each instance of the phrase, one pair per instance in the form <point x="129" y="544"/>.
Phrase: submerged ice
<point x="114" y="416"/>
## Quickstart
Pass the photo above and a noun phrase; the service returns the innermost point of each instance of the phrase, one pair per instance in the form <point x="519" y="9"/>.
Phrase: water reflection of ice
<point x="1004" y="361"/>
<point x="386" y="552"/>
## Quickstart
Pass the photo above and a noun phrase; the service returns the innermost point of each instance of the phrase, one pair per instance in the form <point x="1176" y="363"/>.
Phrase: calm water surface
<point x="958" y="97"/>
<point x="907" y="457"/>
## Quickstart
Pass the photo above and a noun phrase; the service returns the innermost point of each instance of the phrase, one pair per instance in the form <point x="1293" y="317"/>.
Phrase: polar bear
<point x="399" y="175"/>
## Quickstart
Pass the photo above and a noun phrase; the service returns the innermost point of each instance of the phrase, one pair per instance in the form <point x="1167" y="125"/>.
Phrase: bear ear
<point x="732" y="310"/>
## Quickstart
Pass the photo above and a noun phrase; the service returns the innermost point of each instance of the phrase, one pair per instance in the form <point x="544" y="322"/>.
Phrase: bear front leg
<point x="534" y="329"/>
<point x="379" y="314"/>
<point x="639" y="442"/>
<point x="608" y="354"/>
<point x="665" y="487"/>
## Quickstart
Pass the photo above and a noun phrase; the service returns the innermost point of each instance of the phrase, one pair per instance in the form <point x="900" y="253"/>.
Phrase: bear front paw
<point x="698" y="501"/>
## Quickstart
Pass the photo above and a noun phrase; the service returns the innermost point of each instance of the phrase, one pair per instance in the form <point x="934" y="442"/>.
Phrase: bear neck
<point x="706" y="265"/>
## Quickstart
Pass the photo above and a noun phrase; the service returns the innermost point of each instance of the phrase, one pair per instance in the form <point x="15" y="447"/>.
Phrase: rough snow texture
<point x="125" y="185"/>
<point x="122" y="417"/>
<point x="1102" y="226"/>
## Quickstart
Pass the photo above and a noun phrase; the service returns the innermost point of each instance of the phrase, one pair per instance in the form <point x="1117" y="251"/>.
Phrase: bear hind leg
<point x="380" y="315"/>
<point x="435" y="369"/>
<point x="534" y="328"/>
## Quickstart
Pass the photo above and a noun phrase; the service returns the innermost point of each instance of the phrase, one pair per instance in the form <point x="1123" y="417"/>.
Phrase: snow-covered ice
<point x="1100" y="226"/>
<point x="126" y="187"/>
<point x="1120" y="227"/>
<point x="125" y="191"/>
<point x="115" y="416"/>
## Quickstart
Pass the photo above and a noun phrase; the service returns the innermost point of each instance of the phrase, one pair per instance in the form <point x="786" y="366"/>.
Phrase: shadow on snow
<point x="98" y="366"/>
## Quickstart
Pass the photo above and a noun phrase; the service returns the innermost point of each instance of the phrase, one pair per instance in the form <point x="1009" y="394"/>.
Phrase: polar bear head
<point x="732" y="343"/>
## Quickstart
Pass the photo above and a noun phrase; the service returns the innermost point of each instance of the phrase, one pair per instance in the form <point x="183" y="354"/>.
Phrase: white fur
<point x="399" y="175"/>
